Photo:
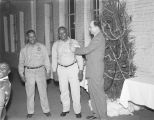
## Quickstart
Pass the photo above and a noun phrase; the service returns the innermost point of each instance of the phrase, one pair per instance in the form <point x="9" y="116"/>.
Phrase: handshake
<point x="80" y="76"/>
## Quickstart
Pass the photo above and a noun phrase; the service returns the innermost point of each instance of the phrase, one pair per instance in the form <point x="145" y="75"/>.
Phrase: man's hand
<point x="48" y="74"/>
<point x="23" y="78"/>
<point x="73" y="45"/>
<point x="80" y="75"/>
<point x="55" y="76"/>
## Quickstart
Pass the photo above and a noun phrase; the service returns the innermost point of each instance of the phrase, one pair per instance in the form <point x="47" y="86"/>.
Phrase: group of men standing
<point x="67" y="66"/>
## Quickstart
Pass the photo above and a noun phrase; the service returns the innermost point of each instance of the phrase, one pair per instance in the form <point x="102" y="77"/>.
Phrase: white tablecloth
<point x="139" y="90"/>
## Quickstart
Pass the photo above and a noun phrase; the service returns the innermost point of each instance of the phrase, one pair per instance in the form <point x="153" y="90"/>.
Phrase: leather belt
<point x="28" y="67"/>
<point x="67" y="65"/>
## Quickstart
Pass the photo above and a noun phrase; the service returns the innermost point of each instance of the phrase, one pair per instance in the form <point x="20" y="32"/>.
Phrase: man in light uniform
<point x="69" y="68"/>
<point x="34" y="67"/>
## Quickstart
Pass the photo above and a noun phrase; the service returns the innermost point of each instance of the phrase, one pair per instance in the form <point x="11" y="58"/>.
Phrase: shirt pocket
<point x="38" y="53"/>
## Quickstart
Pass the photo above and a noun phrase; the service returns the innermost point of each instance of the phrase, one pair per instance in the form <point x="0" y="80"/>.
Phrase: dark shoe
<point x="64" y="113"/>
<point x="29" y="115"/>
<point x="91" y="117"/>
<point x="78" y="115"/>
<point x="48" y="114"/>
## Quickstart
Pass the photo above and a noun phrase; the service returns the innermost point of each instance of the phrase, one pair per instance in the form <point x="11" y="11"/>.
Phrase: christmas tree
<point x="119" y="48"/>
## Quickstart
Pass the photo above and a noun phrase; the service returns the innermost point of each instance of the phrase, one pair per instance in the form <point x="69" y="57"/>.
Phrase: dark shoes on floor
<point x="91" y="117"/>
<point x="78" y="115"/>
<point x="48" y="114"/>
<point x="63" y="114"/>
<point x="29" y="115"/>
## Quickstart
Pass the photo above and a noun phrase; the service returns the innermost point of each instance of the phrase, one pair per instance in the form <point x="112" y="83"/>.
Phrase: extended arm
<point x="86" y="50"/>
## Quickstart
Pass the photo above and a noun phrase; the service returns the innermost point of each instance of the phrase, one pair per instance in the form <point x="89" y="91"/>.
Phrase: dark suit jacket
<point x="95" y="57"/>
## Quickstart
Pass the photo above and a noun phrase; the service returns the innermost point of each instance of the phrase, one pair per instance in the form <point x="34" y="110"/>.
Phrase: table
<point x="139" y="90"/>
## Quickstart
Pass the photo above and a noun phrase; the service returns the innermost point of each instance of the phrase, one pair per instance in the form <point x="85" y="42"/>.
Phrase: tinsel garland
<point x="115" y="26"/>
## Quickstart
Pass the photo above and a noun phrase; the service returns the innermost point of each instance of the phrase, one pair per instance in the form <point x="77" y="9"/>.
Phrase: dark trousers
<point x="97" y="96"/>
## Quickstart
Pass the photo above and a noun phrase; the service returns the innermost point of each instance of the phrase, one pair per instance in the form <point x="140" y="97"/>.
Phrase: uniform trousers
<point x="36" y="76"/>
<point x="69" y="75"/>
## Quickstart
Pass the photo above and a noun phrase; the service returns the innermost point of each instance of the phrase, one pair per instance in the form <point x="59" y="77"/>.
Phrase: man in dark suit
<point x="94" y="70"/>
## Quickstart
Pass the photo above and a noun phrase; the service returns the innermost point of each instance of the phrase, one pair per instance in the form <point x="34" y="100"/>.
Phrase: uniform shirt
<point x="33" y="56"/>
<point x="62" y="53"/>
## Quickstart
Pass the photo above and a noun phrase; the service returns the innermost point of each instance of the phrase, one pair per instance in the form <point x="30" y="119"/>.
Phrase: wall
<point x="13" y="8"/>
<point x="44" y="23"/>
<point x="30" y="22"/>
<point x="40" y="26"/>
<point x="79" y="22"/>
<point x="55" y="18"/>
<point x="142" y="26"/>
<point x="1" y="26"/>
<point x="83" y="18"/>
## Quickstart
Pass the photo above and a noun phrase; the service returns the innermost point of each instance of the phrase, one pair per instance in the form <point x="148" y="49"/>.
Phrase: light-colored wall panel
<point x="33" y="14"/>
<point x="62" y="12"/>
<point x="6" y="39"/>
<point x="12" y="35"/>
<point x="47" y="27"/>
<point x="21" y="29"/>
<point x="79" y="21"/>
<point x="87" y="19"/>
